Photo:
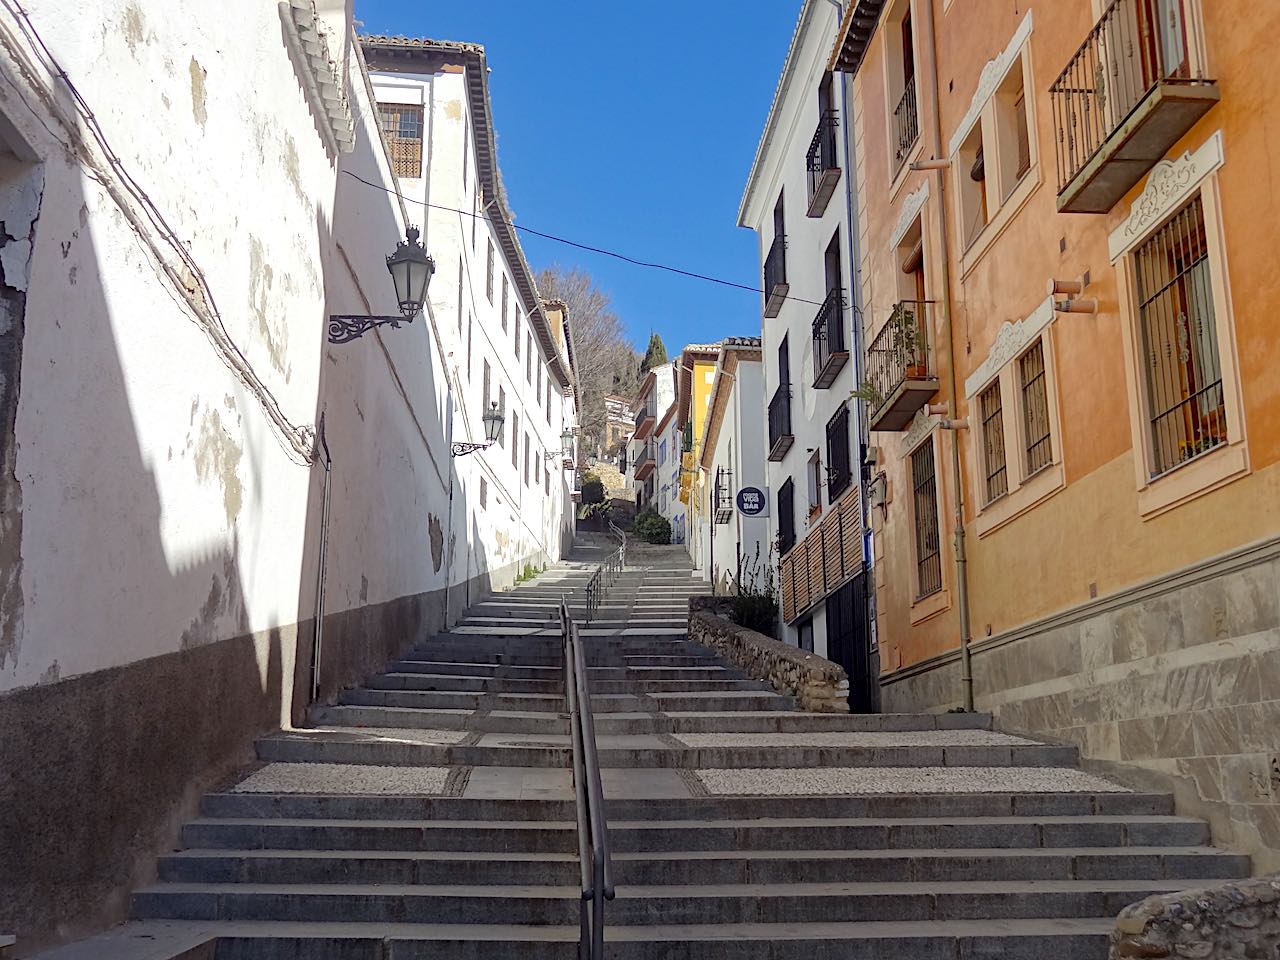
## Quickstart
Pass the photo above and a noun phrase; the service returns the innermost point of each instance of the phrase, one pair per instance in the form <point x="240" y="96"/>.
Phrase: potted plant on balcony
<point x="908" y="340"/>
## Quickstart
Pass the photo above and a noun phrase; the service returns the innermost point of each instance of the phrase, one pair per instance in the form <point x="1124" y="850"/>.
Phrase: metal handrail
<point x="593" y="836"/>
<point x="606" y="573"/>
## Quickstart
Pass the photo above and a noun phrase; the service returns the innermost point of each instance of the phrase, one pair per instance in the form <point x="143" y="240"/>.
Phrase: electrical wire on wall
<point x="146" y="219"/>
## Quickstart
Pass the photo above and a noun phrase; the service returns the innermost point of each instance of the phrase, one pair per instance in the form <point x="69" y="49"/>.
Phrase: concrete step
<point x="653" y="836"/>
<point x="699" y="867"/>
<point x="420" y="679"/>
<point x="681" y="904"/>
<point x="1035" y="939"/>
<point x="879" y="807"/>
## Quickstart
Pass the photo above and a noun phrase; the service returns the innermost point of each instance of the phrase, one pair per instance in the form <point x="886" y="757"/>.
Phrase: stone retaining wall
<point x="1233" y="920"/>
<point x="818" y="685"/>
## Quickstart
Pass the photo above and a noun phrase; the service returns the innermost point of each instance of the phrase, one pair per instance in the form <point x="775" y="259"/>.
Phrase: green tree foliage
<point x="592" y="488"/>
<point x="655" y="356"/>
<point x="651" y="527"/>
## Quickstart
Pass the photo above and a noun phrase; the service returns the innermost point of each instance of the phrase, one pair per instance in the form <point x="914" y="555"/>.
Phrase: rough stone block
<point x="1236" y="919"/>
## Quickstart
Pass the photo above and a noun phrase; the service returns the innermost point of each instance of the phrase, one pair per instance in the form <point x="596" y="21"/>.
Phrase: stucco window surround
<point x="1028" y="486"/>
<point x="991" y="121"/>
<point x="925" y="432"/>
<point x="1171" y="186"/>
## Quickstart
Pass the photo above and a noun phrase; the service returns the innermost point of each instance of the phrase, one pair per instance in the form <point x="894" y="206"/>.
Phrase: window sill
<point x="925" y="608"/>
<point x="977" y="248"/>
<point x="1192" y="479"/>
<point x="1032" y="492"/>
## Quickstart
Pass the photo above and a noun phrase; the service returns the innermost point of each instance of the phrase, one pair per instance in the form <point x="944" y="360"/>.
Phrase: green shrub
<point x="755" y="599"/>
<point x="651" y="527"/>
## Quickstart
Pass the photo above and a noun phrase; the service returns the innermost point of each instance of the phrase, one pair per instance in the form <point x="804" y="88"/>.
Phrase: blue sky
<point x="629" y="126"/>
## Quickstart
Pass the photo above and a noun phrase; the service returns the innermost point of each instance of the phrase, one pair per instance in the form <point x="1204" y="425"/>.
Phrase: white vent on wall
<point x="321" y="76"/>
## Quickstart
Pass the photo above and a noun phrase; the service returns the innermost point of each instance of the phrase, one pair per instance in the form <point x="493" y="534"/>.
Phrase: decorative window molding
<point x="1169" y="185"/>
<point x="994" y="72"/>
<point x="911" y="208"/>
<point x="1010" y="341"/>
<point x="322" y="78"/>
<point x="921" y="426"/>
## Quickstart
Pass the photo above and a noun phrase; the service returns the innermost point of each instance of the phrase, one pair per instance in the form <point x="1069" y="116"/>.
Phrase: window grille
<point x="1186" y="409"/>
<point x="839" y="469"/>
<point x="402" y="127"/>
<point x="991" y="411"/>
<point x="924" y="488"/>
<point x="1035" y="408"/>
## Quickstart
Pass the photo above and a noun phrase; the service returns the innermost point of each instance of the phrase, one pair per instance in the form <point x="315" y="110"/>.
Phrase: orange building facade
<point x="1067" y="231"/>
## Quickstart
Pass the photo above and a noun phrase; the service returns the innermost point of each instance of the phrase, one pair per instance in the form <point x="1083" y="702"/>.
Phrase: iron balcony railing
<point x="1135" y="46"/>
<point x="775" y="265"/>
<point x="780" y="415"/>
<point x="822" y="150"/>
<point x="906" y="122"/>
<point x="828" y="332"/>
<point x="900" y="351"/>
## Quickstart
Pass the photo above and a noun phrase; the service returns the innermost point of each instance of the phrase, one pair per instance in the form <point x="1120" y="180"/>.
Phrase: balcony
<point x="645" y="419"/>
<point x="906" y="124"/>
<point x="780" y="436"/>
<point x="1128" y="95"/>
<point x="722" y="496"/>
<point x="899" y="376"/>
<point x="823" y="164"/>
<point x="830" y="351"/>
<point x="776" y="287"/>
<point x="645" y="463"/>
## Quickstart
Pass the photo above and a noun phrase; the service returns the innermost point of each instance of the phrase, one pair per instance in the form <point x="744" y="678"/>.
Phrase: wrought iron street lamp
<point x="566" y="439"/>
<point x="493" y="420"/>
<point x="411" y="271"/>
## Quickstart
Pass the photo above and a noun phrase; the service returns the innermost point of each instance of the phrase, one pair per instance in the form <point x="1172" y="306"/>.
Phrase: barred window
<point x="991" y="411"/>
<point x="1186" y="409"/>
<point x="402" y="127"/>
<point x="924" y="487"/>
<point x="1035" y="408"/>
<point x="515" y="440"/>
<point x="839" y="468"/>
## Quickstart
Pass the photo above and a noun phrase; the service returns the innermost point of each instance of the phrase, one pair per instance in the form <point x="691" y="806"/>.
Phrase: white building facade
<point x="800" y="201"/>
<point x="652" y="400"/>
<point x="733" y="448"/>
<point x="196" y="477"/>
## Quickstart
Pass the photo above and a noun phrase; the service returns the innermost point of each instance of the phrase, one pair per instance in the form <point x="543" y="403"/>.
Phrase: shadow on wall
<point x="98" y="771"/>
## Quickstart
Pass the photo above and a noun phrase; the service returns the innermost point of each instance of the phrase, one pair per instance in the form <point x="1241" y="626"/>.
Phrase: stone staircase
<point x="430" y="814"/>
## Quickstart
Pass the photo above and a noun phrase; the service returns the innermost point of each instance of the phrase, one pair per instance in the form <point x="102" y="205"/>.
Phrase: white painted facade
<point x="526" y="512"/>
<point x="656" y="394"/>
<point x="780" y="171"/>
<point x="173" y="361"/>
<point x="737" y="446"/>
<point x="670" y="441"/>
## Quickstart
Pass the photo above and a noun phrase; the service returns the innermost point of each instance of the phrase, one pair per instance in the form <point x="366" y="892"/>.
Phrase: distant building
<point x="618" y="427"/>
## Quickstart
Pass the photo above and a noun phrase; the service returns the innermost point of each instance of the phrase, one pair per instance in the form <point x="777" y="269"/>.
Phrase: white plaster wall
<point x="783" y="169"/>
<point x="161" y="508"/>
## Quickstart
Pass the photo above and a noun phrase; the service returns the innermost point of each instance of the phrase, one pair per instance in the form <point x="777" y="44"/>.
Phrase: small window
<point x="459" y="296"/>
<point x="548" y="398"/>
<point x="402" y="127"/>
<point x="504" y="312"/>
<point x="814" y="473"/>
<point x="973" y="185"/>
<point x="502" y="408"/>
<point x="527" y="459"/>
<point x="537" y="391"/>
<point x="475" y="215"/>
<point x="924" y="488"/>
<point x="1186" y="408"/>
<point x="992" y="414"/>
<point x="484" y="493"/>
<point x="840" y="469"/>
<point x="528" y="356"/>
<point x="488" y="277"/>
<point x="1035" y="409"/>
<point x="515" y="440"/>
<point x="1012" y="131"/>
<point x="486" y="387"/>
<point x="786" y="516"/>
<point x="547" y="475"/>
<point x="468" y="345"/>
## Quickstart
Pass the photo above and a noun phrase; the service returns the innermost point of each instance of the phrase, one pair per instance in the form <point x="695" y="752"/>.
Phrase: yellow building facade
<point x="1067" y="234"/>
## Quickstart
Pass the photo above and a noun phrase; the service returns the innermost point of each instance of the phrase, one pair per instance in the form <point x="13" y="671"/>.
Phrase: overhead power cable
<point x="573" y="243"/>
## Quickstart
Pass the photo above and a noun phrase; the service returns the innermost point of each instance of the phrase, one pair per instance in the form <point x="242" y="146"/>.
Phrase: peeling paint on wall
<point x="199" y="99"/>
<point x="217" y="459"/>
<point x="261" y="304"/>
<point x="134" y="27"/>
<point x="224" y="600"/>
<point x="453" y="109"/>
